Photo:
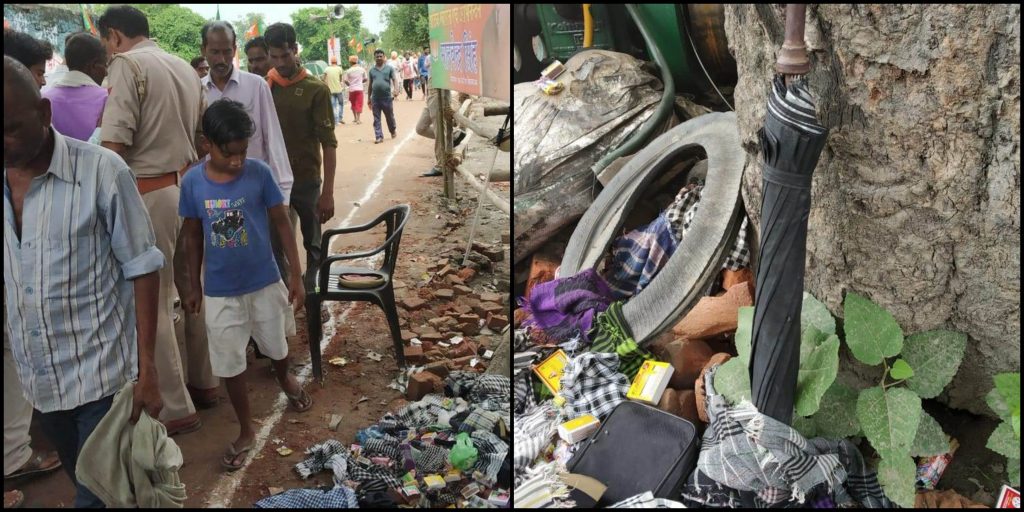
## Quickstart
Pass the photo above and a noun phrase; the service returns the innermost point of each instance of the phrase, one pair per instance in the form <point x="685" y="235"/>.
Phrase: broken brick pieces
<point x="414" y="354"/>
<point x="413" y="303"/>
<point x="422" y="384"/>
<point x="731" y="278"/>
<point x="698" y="388"/>
<point x="484" y="308"/>
<point x="444" y="293"/>
<point x="466" y="348"/>
<point x="713" y="316"/>
<point x="490" y="297"/>
<point x="687" y="357"/>
<point x="466" y="274"/>
<point x="542" y="270"/>
<point x="496" y="322"/>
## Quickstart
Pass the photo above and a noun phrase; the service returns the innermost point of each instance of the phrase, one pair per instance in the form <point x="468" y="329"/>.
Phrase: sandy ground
<point x="370" y="179"/>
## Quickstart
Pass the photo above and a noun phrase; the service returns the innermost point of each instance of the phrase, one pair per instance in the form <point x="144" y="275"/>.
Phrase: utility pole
<point x="443" y="140"/>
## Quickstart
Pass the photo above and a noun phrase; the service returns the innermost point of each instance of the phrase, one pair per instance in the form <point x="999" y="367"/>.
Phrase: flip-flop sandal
<point x="34" y="465"/>
<point x="13" y="499"/>
<point x="296" y="401"/>
<point x="233" y="453"/>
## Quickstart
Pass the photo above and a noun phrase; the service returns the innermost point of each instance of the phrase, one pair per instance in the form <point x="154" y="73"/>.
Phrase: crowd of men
<point x="129" y="174"/>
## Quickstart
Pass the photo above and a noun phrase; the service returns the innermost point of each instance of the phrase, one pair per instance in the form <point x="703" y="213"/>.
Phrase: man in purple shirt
<point x="77" y="100"/>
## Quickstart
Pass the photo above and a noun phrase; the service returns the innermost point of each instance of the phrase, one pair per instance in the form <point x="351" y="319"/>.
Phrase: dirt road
<point x="370" y="179"/>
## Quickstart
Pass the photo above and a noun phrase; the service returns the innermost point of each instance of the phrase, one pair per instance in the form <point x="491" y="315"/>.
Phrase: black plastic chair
<point x="330" y="285"/>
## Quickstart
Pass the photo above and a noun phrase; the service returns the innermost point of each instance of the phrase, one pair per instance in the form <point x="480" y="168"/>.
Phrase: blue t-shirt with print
<point x="236" y="227"/>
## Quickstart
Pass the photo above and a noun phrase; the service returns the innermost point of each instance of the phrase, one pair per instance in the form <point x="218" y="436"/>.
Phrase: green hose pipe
<point x="664" y="108"/>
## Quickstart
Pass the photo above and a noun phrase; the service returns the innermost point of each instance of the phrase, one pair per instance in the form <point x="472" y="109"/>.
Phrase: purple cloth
<point x="565" y="308"/>
<point x="76" y="110"/>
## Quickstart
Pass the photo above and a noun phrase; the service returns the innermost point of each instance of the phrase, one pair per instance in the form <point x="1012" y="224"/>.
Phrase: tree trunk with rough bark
<point x="916" y="197"/>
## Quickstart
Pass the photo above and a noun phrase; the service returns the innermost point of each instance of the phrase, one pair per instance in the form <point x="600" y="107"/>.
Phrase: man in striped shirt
<point x="80" y="274"/>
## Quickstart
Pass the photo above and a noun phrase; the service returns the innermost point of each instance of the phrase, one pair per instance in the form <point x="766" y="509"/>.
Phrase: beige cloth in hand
<point x="131" y="465"/>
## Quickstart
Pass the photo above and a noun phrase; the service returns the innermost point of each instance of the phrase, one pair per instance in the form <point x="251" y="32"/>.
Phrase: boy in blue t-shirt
<point x="228" y="204"/>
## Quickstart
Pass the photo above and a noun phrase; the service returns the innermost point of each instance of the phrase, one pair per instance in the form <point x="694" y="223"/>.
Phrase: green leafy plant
<point x="1004" y="399"/>
<point x="888" y="415"/>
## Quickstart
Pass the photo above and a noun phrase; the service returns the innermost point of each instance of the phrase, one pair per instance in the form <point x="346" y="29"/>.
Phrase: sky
<point x="282" y="12"/>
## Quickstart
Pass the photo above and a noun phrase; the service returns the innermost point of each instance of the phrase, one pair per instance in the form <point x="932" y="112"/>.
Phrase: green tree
<point x="408" y="27"/>
<point x="313" y="27"/>
<point x="175" y="28"/>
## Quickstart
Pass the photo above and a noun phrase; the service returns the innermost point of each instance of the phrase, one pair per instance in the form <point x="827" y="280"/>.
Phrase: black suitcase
<point x="638" y="448"/>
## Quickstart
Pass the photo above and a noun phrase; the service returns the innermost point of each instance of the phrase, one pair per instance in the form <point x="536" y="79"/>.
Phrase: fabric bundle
<point x="592" y="384"/>
<point x="744" y="450"/>
<point x="316" y="499"/>
<point x="565" y="308"/>
<point x="638" y="256"/>
<point x="612" y="334"/>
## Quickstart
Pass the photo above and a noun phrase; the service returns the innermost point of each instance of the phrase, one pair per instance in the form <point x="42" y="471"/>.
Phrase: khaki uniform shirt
<point x="161" y="126"/>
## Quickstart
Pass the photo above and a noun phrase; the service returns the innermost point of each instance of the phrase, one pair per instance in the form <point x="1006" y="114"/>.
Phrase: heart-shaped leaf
<point x="995" y="400"/>
<point x="871" y="332"/>
<point x="930" y="439"/>
<point x="901" y="370"/>
<point x="935" y="357"/>
<point x="1008" y="385"/>
<point x="807" y="427"/>
<point x="889" y="419"/>
<point x="896" y="474"/>
<point x="837" y="417"/>
<point x="816" y="374"/>
<point x="814" y="313"/>
<point x="744" y="324"/>
<point x="1004" y="442"/>
<point x="732" y="380"/>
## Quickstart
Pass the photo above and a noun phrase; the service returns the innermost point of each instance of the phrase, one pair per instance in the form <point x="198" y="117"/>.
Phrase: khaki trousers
<point x="17" y="417"/>
<point x="163" y="212"/>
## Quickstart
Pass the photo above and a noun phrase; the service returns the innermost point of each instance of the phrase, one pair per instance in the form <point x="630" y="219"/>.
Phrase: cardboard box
<point x="434" y="482"/>
<point x="578" y="429"/>
<point x="650" y="382"/>
<point x="1008" y="498"/>
<point x="550" y="370"/>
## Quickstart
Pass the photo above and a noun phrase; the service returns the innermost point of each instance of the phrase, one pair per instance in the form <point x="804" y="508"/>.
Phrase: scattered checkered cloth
<point x="367" y="473"/>
<point x="744" y="450"/>
<point x="480" y="419"/>
<point x="638" y="256"/>
<point x="612" y="334"/>
<point x="592" y="384"/>
<point x="489" y="386"/>
<point x="523" y="391"/>
<point x="491" y="452"/>
<point x="740" y="255"/>
<point x="316" y="499"/>
<point x="442" y="497"/>
<point x="319" y="457"/>
<point x="540" y="487"/>
<point x="381" y="448"/>
<point x="425" y="412"/>
<point x="430" y="458"/>
<point x="532" y="432"/>
<point x="647" y="500"/>
<point x="680" y="214"/>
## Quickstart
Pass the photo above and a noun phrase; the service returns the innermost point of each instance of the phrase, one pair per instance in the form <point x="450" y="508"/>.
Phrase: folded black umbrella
<point x="791" y="142"/>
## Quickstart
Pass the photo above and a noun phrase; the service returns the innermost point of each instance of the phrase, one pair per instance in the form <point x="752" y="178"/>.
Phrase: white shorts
<point x="230" y="321"/>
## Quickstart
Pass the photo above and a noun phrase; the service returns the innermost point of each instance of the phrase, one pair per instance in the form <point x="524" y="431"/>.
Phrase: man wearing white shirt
<point x="266" y="143"/>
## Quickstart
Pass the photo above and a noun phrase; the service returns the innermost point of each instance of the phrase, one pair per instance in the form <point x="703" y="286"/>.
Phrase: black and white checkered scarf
<point x="744" y="450"/>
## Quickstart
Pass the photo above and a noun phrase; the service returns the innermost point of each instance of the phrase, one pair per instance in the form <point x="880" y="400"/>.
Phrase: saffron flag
<point x="86" y="21"/>
<point x="253" y="31"/>
<point x="352" y="42"/>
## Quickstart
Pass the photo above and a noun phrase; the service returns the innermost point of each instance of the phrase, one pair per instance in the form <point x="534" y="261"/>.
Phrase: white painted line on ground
<point x="224" y="491"/>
